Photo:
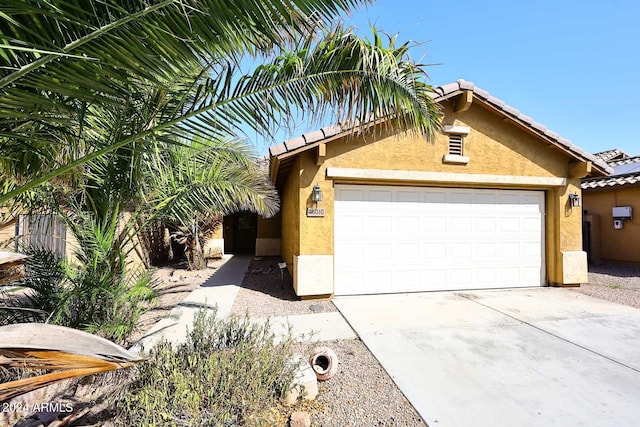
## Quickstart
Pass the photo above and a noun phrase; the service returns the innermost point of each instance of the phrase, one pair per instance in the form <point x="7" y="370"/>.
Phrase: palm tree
<point x="100" y="105"/>
<point x="66" y="68"/>
<point x="188" y="186"/>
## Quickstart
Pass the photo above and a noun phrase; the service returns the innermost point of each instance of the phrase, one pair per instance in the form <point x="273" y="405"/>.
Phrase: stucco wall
<point x="269" y="228"/>
<point x="617" y="245"/>
<point x="289" y="211"/>
<point x="494" y="147"/>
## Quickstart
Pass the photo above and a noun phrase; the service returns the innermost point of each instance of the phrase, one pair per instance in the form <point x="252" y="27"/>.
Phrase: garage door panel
<point x="484" y="250"/>
<point x="484" y="224"/>
<point x="433" y="252"/>
<point x="380" y="224"/>
<point x="349" y="224"/>
<point x="531" y="225"/>
<point x="351" y="195"/>
<point x="484" y="277"/>
<point x="379" y="251"/>
<point x="349" y="252"/>
<point x="408" y="196"/>
<point x="408" y="224"/>
<point x="404" y="239"/>
<point x="434" y="224"/>
<point x="460" y="225"/>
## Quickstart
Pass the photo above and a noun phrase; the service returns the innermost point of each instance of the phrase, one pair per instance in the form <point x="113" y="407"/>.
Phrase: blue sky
<point x="573" y="66"/>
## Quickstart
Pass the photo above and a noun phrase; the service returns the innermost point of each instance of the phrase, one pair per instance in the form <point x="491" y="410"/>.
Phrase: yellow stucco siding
<point x="495" y="147"/>
<point x="571" y="230"/>
<point x="290" y="212"/>
<point x="618" y="245"/>
<point x="270" y="228"/>
<point x="316" y="234"/>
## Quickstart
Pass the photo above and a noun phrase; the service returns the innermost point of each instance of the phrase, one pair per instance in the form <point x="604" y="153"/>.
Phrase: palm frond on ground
<point x="67" y="352"/>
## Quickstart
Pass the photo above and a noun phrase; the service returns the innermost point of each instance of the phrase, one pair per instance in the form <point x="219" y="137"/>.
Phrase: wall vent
<point x="455" y="145"/>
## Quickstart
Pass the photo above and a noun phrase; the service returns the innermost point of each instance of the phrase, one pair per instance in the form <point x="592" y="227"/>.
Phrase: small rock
<point x="174" y="279"/>
<point x="304" y="385"/>
<point x="316" y="308"/>
<point x="300" y="419"/>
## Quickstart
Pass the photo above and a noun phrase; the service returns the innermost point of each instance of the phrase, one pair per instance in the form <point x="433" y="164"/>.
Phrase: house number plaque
<point x="317" y="212"/>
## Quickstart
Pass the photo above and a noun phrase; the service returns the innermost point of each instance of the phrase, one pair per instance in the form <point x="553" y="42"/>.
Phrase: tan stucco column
<point x="566" y="261"/>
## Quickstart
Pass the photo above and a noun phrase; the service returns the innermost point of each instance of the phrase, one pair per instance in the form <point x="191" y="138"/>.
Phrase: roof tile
<point x="314" y="136"/>
<point x="567" y="143"/>
<point x="535" y="125"/>
<point x="275" y="150"/>
<point x="331" y="130"/>
<point x="465" y="84"/>
<point x="450" y="88"/>
<point x="294" y="143"/>
<point x="512" y="111"/>
<point x="634" y="159"/>
<point x="528" y="120"/>
<point x="481" y="93"/>
<point x="610" y="181"/>
<point x="498" y="103"/>
<point x="611" y="154"/>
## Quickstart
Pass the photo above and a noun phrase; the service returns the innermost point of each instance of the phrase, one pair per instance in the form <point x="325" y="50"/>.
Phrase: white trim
<point x="313" y="275"/>
<point x="462" y="130"/>
<point x="574" y="267"/>
<point x="442" y="177"/>
<point x="455" y="159"/>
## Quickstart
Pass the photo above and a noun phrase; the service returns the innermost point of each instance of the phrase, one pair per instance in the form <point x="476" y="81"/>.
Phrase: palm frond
<point x="221" y="177"/>
<point x="70" y="352"/>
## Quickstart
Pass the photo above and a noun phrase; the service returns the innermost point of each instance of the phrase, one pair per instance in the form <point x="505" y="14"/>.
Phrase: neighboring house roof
<point x="442" y="93"/>
<point x="609" y="155"/>
<point x="626" y="171"/>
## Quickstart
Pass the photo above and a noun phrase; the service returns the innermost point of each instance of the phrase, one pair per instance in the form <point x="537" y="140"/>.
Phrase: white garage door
<point x="412" y="239"/>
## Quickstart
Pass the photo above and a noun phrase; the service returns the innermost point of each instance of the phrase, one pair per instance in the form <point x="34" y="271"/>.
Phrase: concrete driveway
<point x="527" y="357"/>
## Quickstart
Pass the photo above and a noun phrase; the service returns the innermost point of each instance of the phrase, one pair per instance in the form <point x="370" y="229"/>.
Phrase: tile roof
<point x="611" y="181"/>
<point x="611" y="154"/>
<point x="625" y="161"/>
<point x="442" y="93"/>
<point x="626" y="172"/>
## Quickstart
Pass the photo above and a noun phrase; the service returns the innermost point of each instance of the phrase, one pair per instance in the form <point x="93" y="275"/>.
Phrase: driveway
<point x="526" y="357"/>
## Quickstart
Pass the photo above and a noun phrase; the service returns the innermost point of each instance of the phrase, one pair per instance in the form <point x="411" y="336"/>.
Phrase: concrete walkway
<point x="220" y="291"/>
<point x="532" y="357"/>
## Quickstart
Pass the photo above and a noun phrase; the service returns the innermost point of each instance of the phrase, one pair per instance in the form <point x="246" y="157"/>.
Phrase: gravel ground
<point x="361" y="393"/>
<point x="614" y="281"/>
<point x="267" y="293"/>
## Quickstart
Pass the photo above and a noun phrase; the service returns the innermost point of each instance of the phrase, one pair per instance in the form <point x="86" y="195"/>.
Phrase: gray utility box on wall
<point x="622" y="212"/>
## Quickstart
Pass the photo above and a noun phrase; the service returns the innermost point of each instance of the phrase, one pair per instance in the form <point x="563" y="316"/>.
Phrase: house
<point x="612" y="210"/>
<point x="492" y="202"/>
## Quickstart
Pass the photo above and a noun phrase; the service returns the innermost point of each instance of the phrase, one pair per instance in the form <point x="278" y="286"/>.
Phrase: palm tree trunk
<point x="195" y="255"/>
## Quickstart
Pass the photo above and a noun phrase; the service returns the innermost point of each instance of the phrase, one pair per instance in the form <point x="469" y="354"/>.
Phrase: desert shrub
<point x="228" y="373"/>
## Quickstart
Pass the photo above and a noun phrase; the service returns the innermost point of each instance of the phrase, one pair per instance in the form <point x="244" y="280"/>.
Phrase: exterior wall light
<point x="316" y="195"/>
<point x="574" y="200"/>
